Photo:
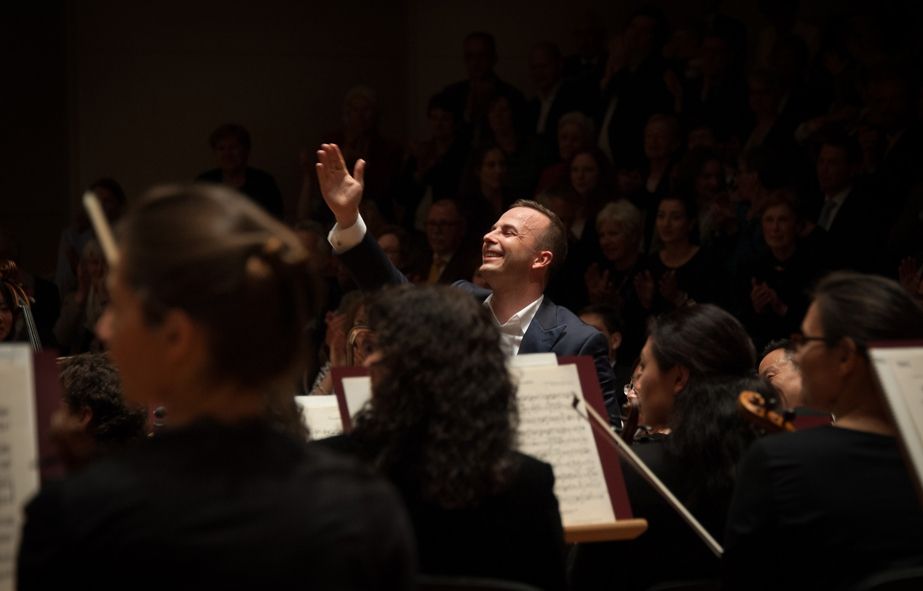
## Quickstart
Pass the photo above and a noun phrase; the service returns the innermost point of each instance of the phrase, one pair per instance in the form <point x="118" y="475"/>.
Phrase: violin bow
<point x="600" y="424"/>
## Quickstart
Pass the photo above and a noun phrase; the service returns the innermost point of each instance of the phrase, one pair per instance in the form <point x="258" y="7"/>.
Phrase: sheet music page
<point x="321" y="415"/>
<point x="551" y="430"/>
<point x="900" y="373"/>
<point x="358" y="391"/>
<point x="531" y="359"/>
<point x="18" y="451"/>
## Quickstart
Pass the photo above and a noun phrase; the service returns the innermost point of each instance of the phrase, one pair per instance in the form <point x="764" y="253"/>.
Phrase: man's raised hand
<point x="342" y="192"/>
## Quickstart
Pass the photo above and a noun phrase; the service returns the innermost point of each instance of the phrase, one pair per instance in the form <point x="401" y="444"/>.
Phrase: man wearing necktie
<point x="445" y="234"/>
<point x="849" y="215"/>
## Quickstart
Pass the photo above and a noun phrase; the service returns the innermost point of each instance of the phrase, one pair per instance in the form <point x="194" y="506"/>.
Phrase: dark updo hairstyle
<point x="708" y="435"/>
<point x="442" y="418"/>
<point x="704" y="339"/>
<point x="239" y="273"/>
<point x="866" y="308"/>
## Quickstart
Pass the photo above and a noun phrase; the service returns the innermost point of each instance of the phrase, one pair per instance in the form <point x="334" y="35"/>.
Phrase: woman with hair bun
<point x="834" y="504"/>
<point x="206" y="310"/>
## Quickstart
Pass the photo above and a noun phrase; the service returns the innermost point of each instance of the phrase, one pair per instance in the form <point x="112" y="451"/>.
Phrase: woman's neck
<point x="860" y="407"/>
<point x="493" y="195"/>
<point x="225" y="403"/>
<point x="658" y="166"/>
<point x="677" y="253"/>
<point x="626" y="262"/>
<point x="235" y="178"/>
<point x="783" y="253"/>
<point x="506" y="140"/>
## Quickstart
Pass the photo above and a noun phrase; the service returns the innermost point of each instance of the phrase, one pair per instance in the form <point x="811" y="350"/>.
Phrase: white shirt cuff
<point x="342" y="239"/>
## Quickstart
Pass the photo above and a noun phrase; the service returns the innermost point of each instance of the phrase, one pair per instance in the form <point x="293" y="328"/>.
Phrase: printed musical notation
<point x="549" y="429"/>
<point x="18" y="451"/>
<point x="321" y="414"/>
<point x="900" y="373"/>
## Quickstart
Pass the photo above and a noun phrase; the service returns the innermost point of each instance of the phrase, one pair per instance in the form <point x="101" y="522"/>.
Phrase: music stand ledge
<point x="623" y="529"/>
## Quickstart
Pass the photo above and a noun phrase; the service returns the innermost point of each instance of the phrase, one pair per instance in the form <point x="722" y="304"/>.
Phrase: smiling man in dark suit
<point x="519" y="253"/>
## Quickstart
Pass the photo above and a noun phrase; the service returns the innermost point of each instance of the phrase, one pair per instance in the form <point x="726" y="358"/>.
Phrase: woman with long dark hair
<point x="206" y="312"/>
<point x="693" y="365"/>
<point x="441" y="425"/>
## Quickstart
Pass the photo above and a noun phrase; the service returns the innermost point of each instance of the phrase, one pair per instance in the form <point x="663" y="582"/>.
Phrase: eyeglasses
<point x="630" y="390"/>
<point x="798" y="340"/>
<point x="360" y="343"/>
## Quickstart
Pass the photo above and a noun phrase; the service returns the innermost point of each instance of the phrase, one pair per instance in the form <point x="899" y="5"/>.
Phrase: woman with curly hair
<point x="441" y="425"/>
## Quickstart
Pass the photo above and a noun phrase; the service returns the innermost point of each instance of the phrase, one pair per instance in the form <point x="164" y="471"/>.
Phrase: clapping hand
<point x="761" y="296"/>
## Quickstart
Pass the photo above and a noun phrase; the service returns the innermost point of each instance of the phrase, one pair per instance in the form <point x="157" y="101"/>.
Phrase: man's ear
<point x="615" y="341"/>
<point x="543" y="259"/>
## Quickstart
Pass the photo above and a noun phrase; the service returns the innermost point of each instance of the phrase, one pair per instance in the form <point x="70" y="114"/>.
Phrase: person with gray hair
<point x="612" y="281"/>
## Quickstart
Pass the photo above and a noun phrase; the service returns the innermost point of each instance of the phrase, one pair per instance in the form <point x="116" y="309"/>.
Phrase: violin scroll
<point x="763" y="413"/>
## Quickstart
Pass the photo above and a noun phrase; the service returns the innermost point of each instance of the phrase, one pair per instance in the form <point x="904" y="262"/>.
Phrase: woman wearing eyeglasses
<point x="205" y="317"/>
<point x="832" y="504"/>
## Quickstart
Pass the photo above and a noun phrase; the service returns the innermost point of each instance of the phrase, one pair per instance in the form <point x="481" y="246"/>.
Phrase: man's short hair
<point x="230" y="130"/>
<point x="91" y="382"/>
<point x="784" y="344"/>
<point x="554" y="238"/>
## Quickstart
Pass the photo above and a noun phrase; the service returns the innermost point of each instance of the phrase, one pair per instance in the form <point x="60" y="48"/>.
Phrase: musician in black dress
<point x="207" y="307"/>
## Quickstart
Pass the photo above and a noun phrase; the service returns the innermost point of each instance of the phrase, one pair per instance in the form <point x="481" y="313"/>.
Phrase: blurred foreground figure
<point x="207" y="305"/>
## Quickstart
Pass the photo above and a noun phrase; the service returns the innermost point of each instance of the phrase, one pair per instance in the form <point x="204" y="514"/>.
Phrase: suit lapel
<point x="544" y="331"/>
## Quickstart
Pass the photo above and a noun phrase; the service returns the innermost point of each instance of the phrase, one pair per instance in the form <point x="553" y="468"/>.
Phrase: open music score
<point x="19" y="454"/>
<point x="588" y="481"/>
<point x="899" y="368"/>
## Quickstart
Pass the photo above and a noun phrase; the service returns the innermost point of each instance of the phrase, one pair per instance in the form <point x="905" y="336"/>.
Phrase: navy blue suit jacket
<point x="555" y="329"/>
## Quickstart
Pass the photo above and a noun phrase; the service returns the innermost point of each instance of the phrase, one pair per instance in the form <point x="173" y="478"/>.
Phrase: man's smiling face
<point x="511" y="245"/>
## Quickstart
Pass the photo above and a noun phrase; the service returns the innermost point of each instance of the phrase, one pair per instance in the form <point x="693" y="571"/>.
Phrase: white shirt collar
<point x="512" y="331"/>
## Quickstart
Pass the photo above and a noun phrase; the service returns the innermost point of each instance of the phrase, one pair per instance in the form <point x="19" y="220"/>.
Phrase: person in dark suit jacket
<point x="518" y="255"/>
<point x="851" y="217"/>
<point x="440" y="426"/>
<point x="555" y="95"/>
<point x="450" y="257"/>
<point x="470" y="98"/>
